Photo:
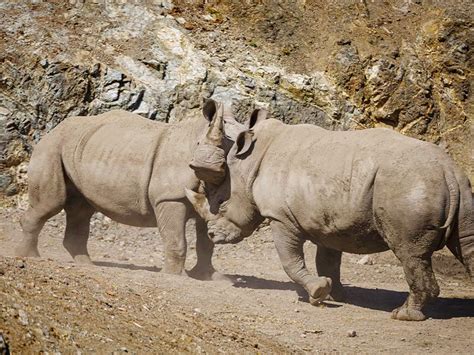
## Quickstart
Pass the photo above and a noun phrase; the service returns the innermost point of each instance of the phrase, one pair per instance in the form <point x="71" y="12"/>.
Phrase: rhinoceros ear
<point x="258" y="115"/>
<point x="244" y="142"/>
<point x="209" y="109"/>
<point x="200" y="204"/>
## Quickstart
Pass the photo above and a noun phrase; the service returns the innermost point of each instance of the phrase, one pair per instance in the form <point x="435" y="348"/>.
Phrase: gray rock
<point x="180" y="20"/>
<point x="112" y="94"/>
<point x="23" y="317"/>
<point x="44" y="63"/>
<point x="112" y="76"/>
<point x="11" y="190"/>
<point x="366" y="260"/>
<point x="5" y="181"/>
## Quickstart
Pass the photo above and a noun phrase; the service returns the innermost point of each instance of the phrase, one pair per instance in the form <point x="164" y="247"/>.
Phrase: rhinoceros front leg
<point x="290" y="250"/>
<point x="171" y="221"/>
<point x="328" y="263"/>
<point x="203" y="270"/>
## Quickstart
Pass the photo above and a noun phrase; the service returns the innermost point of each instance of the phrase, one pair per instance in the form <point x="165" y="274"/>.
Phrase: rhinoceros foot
<point x="319" y="289"/>
<point x="207" y="274"/>
<point x="337" y="293"/>
<point x="406" y="313"/>
<point x="83" y="259"/>
<point x="27" y="251"/>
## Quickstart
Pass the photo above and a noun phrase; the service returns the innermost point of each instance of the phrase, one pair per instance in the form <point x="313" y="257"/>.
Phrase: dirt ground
<point x="125" y="304"/>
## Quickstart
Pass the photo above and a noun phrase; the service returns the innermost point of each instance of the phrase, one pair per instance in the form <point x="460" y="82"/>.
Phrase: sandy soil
<point x="125" y="304"/>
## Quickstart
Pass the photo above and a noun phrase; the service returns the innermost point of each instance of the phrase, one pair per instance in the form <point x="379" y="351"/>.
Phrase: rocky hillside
<point x="342" y="64"/>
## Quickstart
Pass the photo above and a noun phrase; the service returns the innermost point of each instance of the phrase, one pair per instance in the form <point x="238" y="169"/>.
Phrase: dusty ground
<point x="125" y="303"/>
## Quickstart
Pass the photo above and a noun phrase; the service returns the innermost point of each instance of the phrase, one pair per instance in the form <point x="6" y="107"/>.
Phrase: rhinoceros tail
<point x="453" y="187"/>
<point x="461" y="241"/>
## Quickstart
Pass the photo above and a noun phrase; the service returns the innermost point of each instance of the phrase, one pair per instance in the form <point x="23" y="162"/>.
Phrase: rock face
<point x="422" y="89"/>
<point x="162" y="59"/>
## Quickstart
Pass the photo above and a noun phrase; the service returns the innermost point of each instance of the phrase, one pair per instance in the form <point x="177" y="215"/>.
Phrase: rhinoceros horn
<point x="209" y="158"/>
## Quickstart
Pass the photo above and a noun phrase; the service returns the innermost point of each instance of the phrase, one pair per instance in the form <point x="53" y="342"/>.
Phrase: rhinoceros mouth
<point x="219" y="237"/>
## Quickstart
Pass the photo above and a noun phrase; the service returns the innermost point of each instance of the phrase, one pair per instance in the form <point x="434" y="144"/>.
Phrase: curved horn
<point x="215" y="133"/>
<point x="209" y="157"/>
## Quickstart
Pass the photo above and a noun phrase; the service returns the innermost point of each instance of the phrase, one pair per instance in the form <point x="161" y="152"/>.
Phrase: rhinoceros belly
<point x="111" y="167"/>
<point x="332" y="203"/>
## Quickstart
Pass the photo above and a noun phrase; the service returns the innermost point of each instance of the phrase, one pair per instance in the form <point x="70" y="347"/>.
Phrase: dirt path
<point x="125" y="304"/>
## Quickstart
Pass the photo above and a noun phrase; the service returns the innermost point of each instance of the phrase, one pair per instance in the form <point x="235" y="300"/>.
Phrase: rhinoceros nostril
<point x="211" y="234"/>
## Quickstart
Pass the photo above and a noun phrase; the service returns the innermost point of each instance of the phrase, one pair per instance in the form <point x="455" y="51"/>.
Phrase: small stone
<point x="366" y="260"/>
<point x="249" y="83"/>
<point x="38" y="332"/>
<point x="20" y="264"/>
<point x="44" y="63"/>
<point x="297" y="310"/>
<point x="351" y="333"/>
<point x="344" y="42"/>
<point x="188" y="26"/>
<point x="180" y="20"/>
<point x="22" y="317"/>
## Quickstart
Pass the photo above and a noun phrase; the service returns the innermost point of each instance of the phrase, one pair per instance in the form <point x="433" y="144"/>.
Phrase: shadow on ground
<point x="127" y="266"/>
<point x="375" y="299"/>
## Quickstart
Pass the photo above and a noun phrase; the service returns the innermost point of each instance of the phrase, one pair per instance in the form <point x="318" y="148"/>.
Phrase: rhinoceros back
<point x="109" y="159"/>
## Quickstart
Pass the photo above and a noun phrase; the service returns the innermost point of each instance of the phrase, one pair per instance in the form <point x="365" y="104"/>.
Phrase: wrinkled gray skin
<point x="129" y="168"/>
<point x="359" y="192"/>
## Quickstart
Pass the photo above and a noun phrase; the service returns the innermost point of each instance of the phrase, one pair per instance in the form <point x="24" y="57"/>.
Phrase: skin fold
<point x="361" y="192"/>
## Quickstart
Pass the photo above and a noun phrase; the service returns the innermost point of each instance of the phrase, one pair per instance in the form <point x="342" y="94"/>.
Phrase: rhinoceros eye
<point x="222" y="206"/>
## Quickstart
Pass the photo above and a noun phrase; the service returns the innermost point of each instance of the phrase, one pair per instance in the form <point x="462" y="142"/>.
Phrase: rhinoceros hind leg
<point x="78" y="215"/>
<point x="31" y="223"/>
<point x="171" y="221"/>
<point x="413" y="244"/>
<point x="328" y="263"/>
<point x="47" y="195"/>
<point x="423" y="287"/>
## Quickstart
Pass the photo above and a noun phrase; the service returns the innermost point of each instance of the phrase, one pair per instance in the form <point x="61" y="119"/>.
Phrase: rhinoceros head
<point x="227" y="206"/>
<point x="209" y="157"/>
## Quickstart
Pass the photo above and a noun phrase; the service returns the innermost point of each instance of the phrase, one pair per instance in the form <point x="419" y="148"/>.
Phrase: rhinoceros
<point x="362" y="191"/>
<point x="129" y="168"/>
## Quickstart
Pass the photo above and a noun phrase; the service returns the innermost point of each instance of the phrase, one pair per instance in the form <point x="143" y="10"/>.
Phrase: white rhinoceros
<point x="361" y="191"/>
<point x="129" y="168"/>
